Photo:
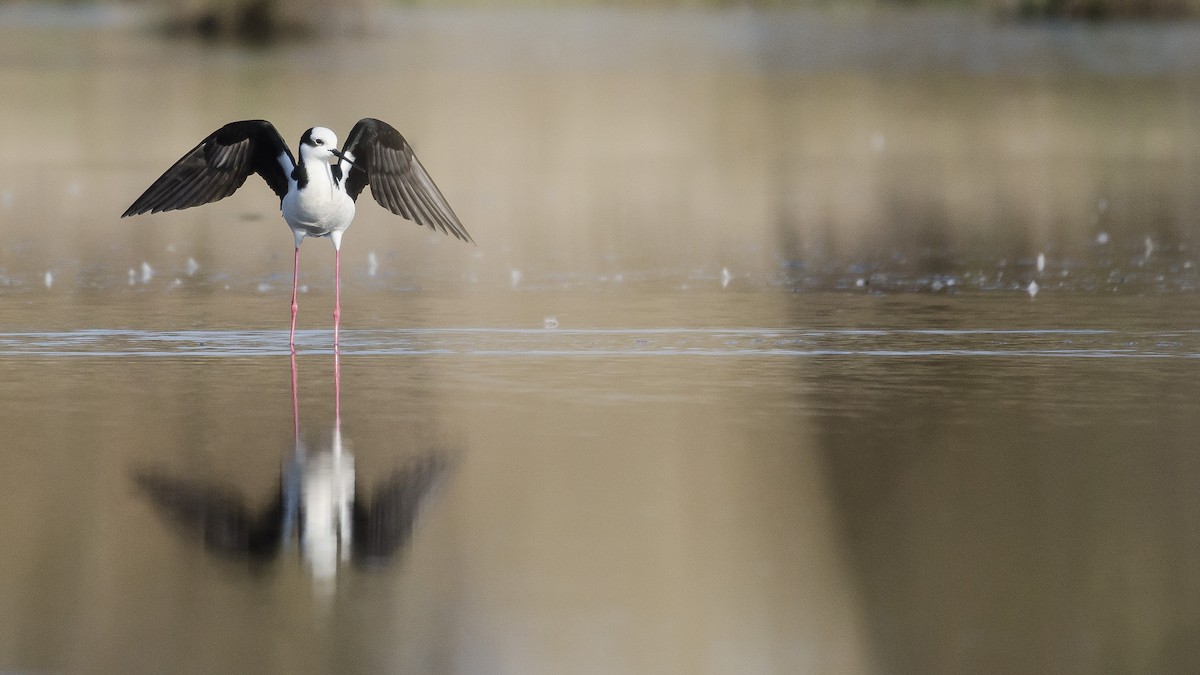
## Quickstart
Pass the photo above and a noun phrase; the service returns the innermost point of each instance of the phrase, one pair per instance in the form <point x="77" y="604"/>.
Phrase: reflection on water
<point x="916" y="494"/>
<point x="318" y="501"/>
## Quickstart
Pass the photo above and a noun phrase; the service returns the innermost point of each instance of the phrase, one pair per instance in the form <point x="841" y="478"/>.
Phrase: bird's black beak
<point x="340" y="155"/>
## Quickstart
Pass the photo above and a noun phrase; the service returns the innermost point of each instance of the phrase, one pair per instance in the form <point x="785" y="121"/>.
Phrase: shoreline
<point x="858" y="38"/>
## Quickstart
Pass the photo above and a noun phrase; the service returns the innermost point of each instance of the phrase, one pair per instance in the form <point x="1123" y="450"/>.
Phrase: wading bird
<point x="316" y="194"/>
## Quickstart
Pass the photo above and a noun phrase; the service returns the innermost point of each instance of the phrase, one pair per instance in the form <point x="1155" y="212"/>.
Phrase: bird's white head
<point x="318" y="143"/>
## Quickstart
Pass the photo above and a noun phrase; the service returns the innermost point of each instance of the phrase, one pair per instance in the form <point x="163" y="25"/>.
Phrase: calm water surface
<point x="663" y="483"/>
<point x="744" y="376"/>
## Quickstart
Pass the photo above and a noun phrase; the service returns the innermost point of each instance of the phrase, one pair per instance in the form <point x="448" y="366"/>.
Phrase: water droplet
<point x="372" y="264"/>
<point x="514" y="278"/>
<point x="1033" y="289"/>
<point x="1041" y="262"/>
<point x="192" y="267"/>
<point x="550" y="322"/>
<point x="147" y="272"/>
<point x="49" y="279"/>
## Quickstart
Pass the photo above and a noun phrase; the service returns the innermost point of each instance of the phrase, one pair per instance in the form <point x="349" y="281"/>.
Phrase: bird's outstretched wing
<point x="385" y="161"/>
<point x="218" y="166"/>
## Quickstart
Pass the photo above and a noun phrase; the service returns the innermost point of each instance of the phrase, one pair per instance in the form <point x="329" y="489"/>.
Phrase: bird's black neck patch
<point x="300" y="175"/>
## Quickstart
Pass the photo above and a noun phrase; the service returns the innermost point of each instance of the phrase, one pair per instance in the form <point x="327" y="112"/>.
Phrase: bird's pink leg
<point x="295" y="305"/>
<point x="337" y="296"/>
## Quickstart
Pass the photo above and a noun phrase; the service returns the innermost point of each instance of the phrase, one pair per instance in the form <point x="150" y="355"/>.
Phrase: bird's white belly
<point x="316" y="214"/>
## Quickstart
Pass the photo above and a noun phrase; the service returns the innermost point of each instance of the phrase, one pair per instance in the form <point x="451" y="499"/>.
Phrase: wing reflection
<point x="384" y="524"/>
<point x="220" y="518"/>
<point x="369" y="529"/>
<point x="318" y="502"/>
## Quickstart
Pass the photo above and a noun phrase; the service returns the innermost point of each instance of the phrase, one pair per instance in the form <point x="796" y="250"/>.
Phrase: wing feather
<point x="413" y="199"/>
<point x="399" y="183"/>
<point x="217" y="167"/>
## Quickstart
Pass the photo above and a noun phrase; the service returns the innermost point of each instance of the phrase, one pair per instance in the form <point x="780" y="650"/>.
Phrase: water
<point x="743" y="376"/>
<point x="826" y="483"/>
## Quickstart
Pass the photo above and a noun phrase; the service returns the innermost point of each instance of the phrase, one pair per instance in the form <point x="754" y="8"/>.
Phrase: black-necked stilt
<point x="316" y="196"/>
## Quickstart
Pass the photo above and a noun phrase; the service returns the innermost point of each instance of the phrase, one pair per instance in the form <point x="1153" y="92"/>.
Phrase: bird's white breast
<point x="320" y="208"/>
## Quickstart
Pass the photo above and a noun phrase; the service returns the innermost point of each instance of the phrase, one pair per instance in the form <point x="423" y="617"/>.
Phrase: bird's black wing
<point x="385" y="161"/>
<point x="218" y="166"/>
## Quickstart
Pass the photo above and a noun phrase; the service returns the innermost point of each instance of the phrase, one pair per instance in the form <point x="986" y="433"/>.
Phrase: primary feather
<point x="218" y="166"/>
<point x="399" y="183"/>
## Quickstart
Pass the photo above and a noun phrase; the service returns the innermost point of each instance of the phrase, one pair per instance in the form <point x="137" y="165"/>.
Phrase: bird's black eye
<point x="318" y="141"/>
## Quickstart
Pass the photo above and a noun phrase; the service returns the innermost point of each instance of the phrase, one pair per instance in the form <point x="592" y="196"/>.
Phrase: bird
<point x="317" y="195"/>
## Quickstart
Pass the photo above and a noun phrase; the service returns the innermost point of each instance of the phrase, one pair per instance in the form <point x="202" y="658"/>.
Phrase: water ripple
<point x="505" y="342"/>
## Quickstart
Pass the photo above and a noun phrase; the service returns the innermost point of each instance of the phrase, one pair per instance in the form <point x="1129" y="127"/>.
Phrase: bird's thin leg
<point x="336" y="237"/>
<point x="295" y="305"/>
<point x="337" y="295"/>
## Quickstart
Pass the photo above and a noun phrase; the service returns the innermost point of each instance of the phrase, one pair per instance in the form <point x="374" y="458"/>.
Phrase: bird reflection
<point x="317" y="504"/>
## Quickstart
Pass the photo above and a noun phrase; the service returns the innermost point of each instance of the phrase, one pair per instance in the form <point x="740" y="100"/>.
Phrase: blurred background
<point x="830" y="337"/>
<point x="796" y="145"/>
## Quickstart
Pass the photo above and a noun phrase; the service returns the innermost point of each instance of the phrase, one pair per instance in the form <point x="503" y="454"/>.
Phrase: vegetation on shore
<point x="267" y="20"/>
